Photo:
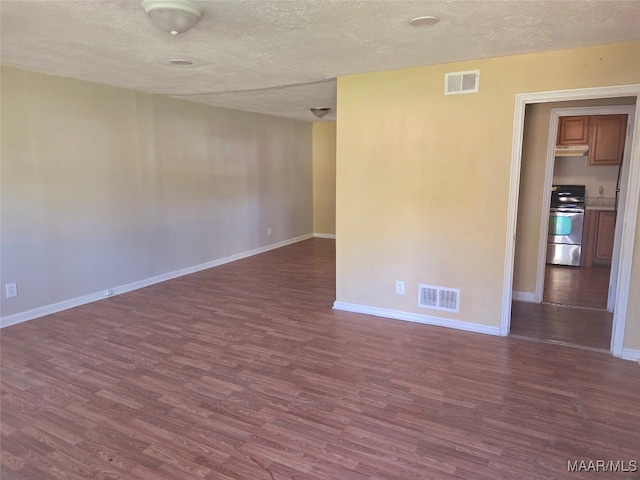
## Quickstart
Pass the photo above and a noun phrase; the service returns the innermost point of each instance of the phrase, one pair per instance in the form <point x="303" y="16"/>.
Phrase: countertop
<point x="600" y="203"/>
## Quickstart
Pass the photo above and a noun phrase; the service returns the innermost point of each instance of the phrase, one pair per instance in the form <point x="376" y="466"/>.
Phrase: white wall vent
<point x="439" y="298"/>
<point x="461" y="82"/>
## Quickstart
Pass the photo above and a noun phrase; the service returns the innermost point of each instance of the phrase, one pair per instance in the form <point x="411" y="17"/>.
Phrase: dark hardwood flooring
<point x="562" y="324"/>
<point x="558" y="319"/>
<point x="245" y="372"/>
<point x="577" y="286"/>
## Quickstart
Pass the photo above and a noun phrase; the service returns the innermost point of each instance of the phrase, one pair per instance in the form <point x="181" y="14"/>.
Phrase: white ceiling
<point x="281" y="57"/>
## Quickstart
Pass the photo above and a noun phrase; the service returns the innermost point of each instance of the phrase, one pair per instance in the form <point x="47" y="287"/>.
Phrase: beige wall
<point x="423" y="178"/>
<point x="103" y="187"/>
<point x="534" y="157"/>
<point x="324" y="177"/>
<point x="632" y="327"/>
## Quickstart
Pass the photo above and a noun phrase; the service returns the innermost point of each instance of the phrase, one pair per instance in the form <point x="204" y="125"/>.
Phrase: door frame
<point x="556" y="113"/>
<point x="630" y="215"/>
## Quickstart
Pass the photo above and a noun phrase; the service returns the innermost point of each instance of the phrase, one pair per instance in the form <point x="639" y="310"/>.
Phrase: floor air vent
<point x="461" y="82"/>
<point x="439" y="298"/>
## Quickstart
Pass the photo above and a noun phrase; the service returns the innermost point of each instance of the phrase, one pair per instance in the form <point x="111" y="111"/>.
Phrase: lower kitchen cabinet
<point x="605" y="233"/>
<point x="598" y="237"/>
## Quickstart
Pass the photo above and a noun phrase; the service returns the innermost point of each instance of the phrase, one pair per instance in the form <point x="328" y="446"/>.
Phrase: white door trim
<point x="630" y="216"/>
<point x="548" y="178"/>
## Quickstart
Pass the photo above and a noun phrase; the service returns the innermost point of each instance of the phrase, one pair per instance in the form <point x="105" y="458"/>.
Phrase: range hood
<point x="571" y="150"/>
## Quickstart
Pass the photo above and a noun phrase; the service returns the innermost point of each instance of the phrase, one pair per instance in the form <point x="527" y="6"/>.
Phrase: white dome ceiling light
<point x="320" y="111"/>
<point x="173" y="16"/>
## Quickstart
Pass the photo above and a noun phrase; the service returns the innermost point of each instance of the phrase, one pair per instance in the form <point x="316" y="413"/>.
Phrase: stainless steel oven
<point x="566" y="221"/>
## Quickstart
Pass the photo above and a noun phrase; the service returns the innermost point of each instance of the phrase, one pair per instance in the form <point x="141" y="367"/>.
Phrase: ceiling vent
<point x="439" y="298"/>
<point x="461" y="82"/>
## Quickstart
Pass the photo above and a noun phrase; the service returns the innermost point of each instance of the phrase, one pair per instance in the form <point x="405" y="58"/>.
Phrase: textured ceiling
<point x="281" y="57"/>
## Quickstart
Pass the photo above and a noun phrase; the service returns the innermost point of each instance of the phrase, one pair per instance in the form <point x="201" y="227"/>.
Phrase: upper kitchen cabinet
<point x="573" y="130"/>
<point x="606" y="139"/>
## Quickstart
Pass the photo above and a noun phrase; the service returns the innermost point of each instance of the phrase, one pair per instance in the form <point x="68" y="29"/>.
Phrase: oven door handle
<point x="576" y="211"/>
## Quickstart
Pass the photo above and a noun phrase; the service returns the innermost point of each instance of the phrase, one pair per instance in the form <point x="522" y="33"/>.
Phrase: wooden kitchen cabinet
<point x="606" y="139"/>
<point x="573" y="130"/>
<point x="605" y="233"/>
<point x="597" y="238"/>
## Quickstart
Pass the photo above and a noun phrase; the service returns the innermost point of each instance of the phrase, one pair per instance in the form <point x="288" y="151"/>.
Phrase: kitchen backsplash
<point x="599" y="181"/>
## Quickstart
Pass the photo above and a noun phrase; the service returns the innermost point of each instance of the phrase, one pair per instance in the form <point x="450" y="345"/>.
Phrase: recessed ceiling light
<point x="181" y="63"/>
<point x="424" y="21"/>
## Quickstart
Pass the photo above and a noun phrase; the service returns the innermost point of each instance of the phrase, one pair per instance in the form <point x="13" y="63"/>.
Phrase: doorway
<point x="625" y="227"/>
<point x="605" y="177"/>
<point x="592" y="182"/>
<point x="565" y="289"/>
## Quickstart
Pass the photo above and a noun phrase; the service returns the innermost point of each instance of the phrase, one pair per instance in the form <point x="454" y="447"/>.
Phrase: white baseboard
<point x="417" y="318"/>
<point x="631" y="354"/>
<point x="325" y="235"/>
<point x="525" y="297"/>
<point x="93" y="297"/>
<point x="20" y="317"/>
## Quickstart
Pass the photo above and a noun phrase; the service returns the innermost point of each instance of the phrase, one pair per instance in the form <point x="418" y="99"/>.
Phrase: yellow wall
<point x="103" y="187"/>
<point x="324" y="177"/>
<point x="423" y="178"/>
<point x="534" y="158"/>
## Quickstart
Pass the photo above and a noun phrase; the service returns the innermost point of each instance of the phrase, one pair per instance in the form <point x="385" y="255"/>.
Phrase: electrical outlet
<point x="108" y="293"/>
<point x="269" y="232"/>
<point x="11" y="290"/>
<point x="400" y="287"/>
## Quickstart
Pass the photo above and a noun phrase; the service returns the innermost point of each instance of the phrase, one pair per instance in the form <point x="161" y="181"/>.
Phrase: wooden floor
<point x="557" y="319"/>
<point x="245" y="372"/>
<point x="576" y="286"/>
<point x="557" y="323"/>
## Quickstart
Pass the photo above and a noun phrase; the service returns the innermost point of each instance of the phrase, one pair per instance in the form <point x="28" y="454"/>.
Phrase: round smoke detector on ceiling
<point x="424" y="21"/>
<point x="180" y="63"/>
<point x="173" y="16"/>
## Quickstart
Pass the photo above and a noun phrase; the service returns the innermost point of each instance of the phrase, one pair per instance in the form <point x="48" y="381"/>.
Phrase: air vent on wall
<point x="461" y="82"/>
<point x="439" y="298"/>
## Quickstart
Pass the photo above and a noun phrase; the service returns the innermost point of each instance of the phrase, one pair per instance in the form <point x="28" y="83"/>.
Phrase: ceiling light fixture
<point x="173" y="16"/>
<point x="424" y="21"/>
<point x="320" y="111"/>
